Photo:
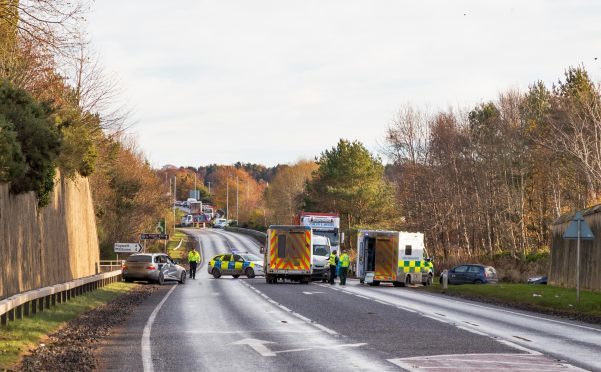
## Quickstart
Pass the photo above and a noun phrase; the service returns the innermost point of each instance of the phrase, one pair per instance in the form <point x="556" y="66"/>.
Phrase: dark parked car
<point x="472" y="273"/>
<point x="538" y="280"/>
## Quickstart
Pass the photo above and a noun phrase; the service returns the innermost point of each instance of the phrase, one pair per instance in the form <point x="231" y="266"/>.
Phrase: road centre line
<point x="294" y="313"/>
<point x="145" y="344"/>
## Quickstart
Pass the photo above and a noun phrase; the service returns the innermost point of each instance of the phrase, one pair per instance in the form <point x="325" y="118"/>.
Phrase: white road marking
<point x="257" y="345"/>
<point x="473" y="331"/>
<point x="519" y="347"/>
<point x="146" y="348"/>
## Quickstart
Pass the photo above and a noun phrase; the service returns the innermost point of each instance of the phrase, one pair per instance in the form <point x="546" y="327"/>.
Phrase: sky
<point x="275" y="81"/>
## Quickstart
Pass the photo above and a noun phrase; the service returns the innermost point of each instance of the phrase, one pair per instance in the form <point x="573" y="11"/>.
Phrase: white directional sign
<point x="127" y="247"/>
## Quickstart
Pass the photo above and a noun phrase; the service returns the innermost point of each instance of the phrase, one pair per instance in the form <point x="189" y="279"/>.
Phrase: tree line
<point x="60" y="111"/>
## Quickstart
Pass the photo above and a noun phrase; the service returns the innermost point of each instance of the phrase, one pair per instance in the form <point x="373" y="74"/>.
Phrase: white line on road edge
<point x="289" y="311"/>
<point x="146" y="351"/>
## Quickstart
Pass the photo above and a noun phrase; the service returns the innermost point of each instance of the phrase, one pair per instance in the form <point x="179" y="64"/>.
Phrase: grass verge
<point x="22" y="335"/>
<point x="543" y="298"/>
<point x="174" y="239"/>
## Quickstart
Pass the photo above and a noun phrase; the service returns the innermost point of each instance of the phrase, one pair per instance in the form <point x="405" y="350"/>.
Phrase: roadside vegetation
<point x="18" y="337"/>
<point x="542" y="298"/>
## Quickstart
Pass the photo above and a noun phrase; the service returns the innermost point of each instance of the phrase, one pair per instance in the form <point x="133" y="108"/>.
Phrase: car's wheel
<point x="478" y="281"/>
<point x="249" y="272"/>
<point x="305" y="280"/>
<point x="161" y="280"/>
<point x="216" y="273"/>
<point x="182" y="278"/>
<point x="236" y="276"/>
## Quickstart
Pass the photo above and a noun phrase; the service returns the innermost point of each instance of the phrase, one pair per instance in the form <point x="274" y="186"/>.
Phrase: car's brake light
<point x="151" y="267"/>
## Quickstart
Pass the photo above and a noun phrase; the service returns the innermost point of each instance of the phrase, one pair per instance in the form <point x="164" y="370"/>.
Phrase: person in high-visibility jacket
<point x="332" y="261"/>
<point x="193" y="260"/>
<point x="345" y="262"/>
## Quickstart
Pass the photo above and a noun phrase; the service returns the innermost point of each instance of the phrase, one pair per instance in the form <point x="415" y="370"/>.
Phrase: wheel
<point x="161" y="280"/>
<point x="407" y="280"/>
<point x="182" y="278"/>
<point x="478" y="281"/>
<point x="305" y="280"/>
<point x="398" y="284"/>
<point x="269" y="279"/>
<point x="361" y="281"/>
<point x="375" y="283"/>
<point x="249" y="272"/>
<point x="216" y="273"/>
<point x="236" y="276"/>
<point x="127" y="280"/>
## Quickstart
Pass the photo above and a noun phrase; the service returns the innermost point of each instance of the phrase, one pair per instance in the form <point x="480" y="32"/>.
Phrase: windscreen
<point x="321" y="250"/>
<point x="250" y="257"/>
<point x="332" y="235"/>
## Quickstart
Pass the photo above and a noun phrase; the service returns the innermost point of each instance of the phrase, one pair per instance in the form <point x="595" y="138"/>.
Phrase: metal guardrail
<point x="105" y="266"/>
<point x="30" y="302"/>
<point x="258" y="235"/>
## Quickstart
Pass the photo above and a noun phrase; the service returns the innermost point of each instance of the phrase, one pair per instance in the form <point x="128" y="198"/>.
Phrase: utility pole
<point x="174" y="198"/>
<point x="195" y="193"/>
<point x="237" y="188"/>
<point x="209" y="187"/>
<point x="227" y="197"/>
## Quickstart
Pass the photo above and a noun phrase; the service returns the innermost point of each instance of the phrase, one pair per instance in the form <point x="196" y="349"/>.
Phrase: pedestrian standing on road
<point x="345" y="262"/>
<point x="333" y="261"/>
<point x="193" y="260"/>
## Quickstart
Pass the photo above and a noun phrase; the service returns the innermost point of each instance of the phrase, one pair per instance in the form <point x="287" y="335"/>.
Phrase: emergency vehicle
<point x="288" y="253"/>
<point x="235" y="264"/>
<point x="392" y="256"/>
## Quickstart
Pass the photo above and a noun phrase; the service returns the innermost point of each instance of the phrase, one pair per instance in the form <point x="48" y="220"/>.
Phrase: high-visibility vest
<point x="332" y="260"/>
<point x="345" y="260"/>
<point x="193" y="257"/>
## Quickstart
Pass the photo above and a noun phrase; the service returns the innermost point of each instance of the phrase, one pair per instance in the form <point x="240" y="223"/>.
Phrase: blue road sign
<point x="578" y="222"/>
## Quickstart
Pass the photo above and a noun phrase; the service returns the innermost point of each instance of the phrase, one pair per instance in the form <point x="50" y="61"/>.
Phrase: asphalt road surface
<point x="231" y="324"/>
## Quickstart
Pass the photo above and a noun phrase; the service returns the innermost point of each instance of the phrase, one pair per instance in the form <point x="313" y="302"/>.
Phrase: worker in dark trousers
<point x="345" y="262"/>
<point x="333" y="261"/>
<point x="193" y="260"/>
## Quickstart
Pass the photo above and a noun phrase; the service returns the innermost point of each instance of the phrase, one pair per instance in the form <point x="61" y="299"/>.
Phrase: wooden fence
<point x="54" y="244"/>
<point x="563" y="254"/>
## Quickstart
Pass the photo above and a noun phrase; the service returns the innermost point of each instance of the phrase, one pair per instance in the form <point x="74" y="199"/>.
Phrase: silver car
<point x="153" y="268"/>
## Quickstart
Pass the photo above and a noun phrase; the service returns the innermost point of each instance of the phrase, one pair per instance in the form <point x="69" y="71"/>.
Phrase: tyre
<point x="249" y="272"/>
<point x="269" y="279"/>
<point x="361" y="281"/>
<point x="161" y="280"/>
<point x="478" y="281"/>
<point x="236" y="276"/>
<point x="182" y="278"/>
<point x="216" y="273"/>
<point x="305" y="280"/>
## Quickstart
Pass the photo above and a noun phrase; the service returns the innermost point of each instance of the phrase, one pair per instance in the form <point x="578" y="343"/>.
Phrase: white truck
<point x="288" y="253"/>
<point x="321" y="254"/>
<point x="323" y="224"/>
<point x="392" y="256"/>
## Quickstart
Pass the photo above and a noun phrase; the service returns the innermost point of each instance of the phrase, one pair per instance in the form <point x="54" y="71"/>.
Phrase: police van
<point x="394" y="257"/>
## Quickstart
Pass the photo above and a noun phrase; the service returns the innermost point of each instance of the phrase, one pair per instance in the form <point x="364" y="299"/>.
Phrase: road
<point x="227" y="324"/>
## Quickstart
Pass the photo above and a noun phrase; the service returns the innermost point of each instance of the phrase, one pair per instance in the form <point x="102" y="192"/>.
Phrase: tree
<point x="284" y="194"/>
<point x="351" y="180"/>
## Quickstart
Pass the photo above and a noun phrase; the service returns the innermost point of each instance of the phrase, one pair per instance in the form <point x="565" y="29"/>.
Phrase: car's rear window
<point x="139" y="258"/>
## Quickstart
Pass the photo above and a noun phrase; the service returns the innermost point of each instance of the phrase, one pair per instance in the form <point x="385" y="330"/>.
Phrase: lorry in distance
<point x="323" y="224"/>
<point x="288" y="253"/>
<point x="394" y="257"/>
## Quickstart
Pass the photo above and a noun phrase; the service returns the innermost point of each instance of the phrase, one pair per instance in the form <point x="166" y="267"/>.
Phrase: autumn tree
<point x="284" y="195"/>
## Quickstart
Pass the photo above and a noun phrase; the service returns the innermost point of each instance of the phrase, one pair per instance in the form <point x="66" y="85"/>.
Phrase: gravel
<point x="71" y="348"/>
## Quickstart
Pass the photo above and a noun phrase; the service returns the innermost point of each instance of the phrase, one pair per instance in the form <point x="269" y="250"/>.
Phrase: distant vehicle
<point x="185" y="204"/>
<point x="153" y="268"/>
<point x="323" y="224"/>
<point x="396" y="257"/>
<point x="288" y="253"/>
<point x="187" y="220"/>
<point x="195" y="207"/>
<point x="236" y="264"/>
<point x="472" y="274"/>
<point x="191" y="200"/>
<point x="220" y="223"/>
<point x="538" y="280"/>
<point x="321" y="254"/>
<point x="178" y="203"/>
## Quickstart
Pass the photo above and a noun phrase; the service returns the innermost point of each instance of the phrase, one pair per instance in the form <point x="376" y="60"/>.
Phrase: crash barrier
<point x="105" y="266"/>
<point x="30" y="302"/>
<point x="258" y="235"/>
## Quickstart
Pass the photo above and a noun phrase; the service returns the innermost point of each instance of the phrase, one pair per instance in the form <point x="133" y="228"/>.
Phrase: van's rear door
<point x="290" y="250"/>
<point x="386" y="257"/>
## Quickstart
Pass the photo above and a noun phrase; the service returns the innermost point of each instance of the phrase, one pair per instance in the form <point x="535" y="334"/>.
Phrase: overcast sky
<point x="275" y="81"/>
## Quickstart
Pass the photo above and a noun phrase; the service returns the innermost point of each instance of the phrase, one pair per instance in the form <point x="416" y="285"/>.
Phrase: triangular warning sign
<point x="572" y="230"/>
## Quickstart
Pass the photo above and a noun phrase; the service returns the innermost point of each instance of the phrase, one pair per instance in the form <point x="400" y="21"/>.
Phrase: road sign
<point x="578" y="228"/>
<point x="154" y="236"/>
<point x="127" y="247"/>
